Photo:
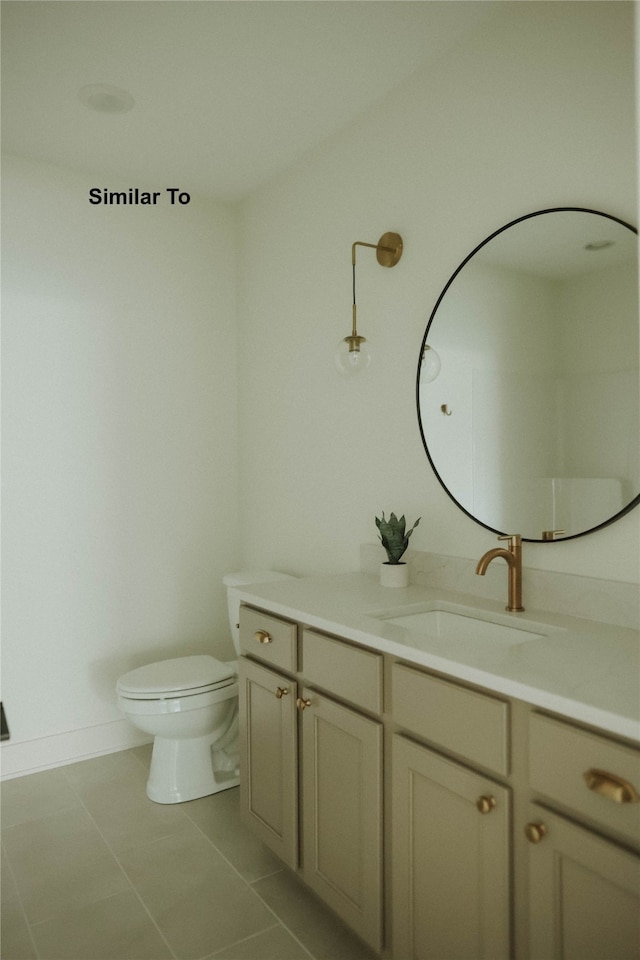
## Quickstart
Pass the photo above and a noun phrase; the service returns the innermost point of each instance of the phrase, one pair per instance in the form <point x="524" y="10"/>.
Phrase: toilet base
<point x="183" y="770"/>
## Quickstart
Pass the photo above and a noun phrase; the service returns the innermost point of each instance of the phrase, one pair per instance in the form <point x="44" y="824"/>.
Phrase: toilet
<point x="190" y="706"/>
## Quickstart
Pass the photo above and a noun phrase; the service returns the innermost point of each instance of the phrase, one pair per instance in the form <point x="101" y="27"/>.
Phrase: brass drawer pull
<point x="263" y="637"/>
<point x="281" y="692"/>
<point x="535" y="832"/>
<point x="610" y="786"/>
<point x="485" y="804"/>
<point x="302" y="704"/>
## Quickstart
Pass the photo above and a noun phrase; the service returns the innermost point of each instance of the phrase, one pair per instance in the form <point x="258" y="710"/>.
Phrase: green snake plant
<point x="394" y="536"/>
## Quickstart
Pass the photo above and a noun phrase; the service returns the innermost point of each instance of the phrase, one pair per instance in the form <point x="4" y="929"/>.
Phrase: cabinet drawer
<point x="268" y="638"/>
<point x="347" y="672"/>
<point x="559" y="757"/>
<point x="473" y="725"/>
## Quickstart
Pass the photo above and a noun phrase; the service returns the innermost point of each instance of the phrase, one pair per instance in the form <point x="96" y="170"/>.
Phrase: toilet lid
<point x="173" y="676"/>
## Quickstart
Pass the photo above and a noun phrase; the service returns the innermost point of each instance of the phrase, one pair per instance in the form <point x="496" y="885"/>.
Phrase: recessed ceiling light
<point x="599" y="245"/>
<point x="105" y="98"/>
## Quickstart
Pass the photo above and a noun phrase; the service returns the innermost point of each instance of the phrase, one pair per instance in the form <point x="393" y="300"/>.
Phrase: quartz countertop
<point x="581" y="669"/>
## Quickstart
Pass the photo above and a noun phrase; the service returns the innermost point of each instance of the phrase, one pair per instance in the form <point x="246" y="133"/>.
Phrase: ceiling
<point x="228" y="93"/>
<point x="555" y="245"/>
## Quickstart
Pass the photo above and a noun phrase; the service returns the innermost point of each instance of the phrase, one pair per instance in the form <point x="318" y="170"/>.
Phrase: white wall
<point x="533" y="111"/>
<point x="601" y="396"/>
<point x="540" y="377"/>
<point x="120" y="509"/>
<point x="494" y="334"/>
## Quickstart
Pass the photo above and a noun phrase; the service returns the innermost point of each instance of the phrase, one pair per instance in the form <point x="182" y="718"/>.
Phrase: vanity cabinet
<point x="451" y="823"/>
<point x="584" y="878"/>
<point x="269" y="757"/>
<point x="342" y="811"/>
<point x="311" y="762"/>
<point x="584" y="893"/>
<point x="508" y="833"/>
<point x="451" y="858"/>
<point x="270" y="639"/>
<point x="465" y="722"/>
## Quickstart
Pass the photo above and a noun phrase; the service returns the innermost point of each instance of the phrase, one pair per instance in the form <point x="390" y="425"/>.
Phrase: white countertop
<point x="581" y="669"/>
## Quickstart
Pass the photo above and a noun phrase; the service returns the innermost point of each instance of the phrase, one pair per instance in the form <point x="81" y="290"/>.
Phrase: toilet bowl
<point x="190" y="707"/>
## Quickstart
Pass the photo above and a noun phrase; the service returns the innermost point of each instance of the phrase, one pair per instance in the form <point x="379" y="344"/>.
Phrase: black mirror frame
<point x="621" y="513"/>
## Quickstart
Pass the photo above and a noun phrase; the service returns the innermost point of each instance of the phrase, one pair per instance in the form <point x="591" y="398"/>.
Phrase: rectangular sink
<point x="461" y="623"/>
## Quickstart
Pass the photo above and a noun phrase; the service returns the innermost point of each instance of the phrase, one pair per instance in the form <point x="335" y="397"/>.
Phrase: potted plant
<point x="394" y="537"/>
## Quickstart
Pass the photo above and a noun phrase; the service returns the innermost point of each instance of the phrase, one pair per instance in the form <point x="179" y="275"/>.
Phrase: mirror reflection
<point x="532" y="420"/>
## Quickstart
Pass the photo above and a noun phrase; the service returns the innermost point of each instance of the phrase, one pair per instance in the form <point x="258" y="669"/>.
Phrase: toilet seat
<point x="180" y="677"/>
<point x="154" y="706"/>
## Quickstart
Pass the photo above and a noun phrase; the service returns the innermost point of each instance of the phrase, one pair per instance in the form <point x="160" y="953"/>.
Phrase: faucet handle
<point x="515" y="540"/>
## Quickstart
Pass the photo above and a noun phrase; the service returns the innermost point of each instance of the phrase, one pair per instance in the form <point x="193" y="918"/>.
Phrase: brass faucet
<point x="513" y="556"/>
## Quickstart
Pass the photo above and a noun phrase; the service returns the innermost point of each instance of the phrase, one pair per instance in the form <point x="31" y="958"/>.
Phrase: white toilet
<point x="190" y="706"/>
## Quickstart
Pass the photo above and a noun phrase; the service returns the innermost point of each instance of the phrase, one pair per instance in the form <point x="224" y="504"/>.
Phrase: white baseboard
<point x="44" y="753"/>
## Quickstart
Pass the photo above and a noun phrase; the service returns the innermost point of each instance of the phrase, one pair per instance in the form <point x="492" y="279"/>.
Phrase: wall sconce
<point x="430" y="366"/>
<point x="352" y="354"/>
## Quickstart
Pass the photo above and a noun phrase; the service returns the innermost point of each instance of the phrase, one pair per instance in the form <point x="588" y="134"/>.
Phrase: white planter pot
<point x="394" y="574"/>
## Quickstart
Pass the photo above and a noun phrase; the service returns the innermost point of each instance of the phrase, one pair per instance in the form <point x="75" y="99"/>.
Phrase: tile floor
<point x="93" y="870"/>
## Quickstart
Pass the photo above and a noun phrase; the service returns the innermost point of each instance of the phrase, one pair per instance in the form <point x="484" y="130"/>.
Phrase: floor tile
<point x="94" y="870"/>
<point x="143" y="754"/>
<point x="125" y="815"/>
<point x="60" y="862"/>
<point x="218" y="817"/>
<point x="123" y="765"/>
<point x="317" y="927"/>
<point x="197" y="900"/>
<point x="15" y="940"/>
<point x="273" y="944"/>
<point x="117" y="928"/>
<point x="38" y="795"/>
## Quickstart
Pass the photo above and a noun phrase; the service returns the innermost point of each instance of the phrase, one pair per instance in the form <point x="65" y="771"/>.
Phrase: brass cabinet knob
<point x="302" y="704"/>
<point x="535" y="832"/>
<point x="485" y="804"/>
<point x="281" y="692"/>
<point x="263" y="637"/>
<point x="610" y="786"/>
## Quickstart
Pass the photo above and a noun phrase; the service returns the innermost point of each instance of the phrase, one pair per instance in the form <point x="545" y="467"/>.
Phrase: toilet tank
<point x="234" y="582"/>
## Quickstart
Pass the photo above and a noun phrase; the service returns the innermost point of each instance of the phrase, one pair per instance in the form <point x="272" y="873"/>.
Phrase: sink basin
<point x="449" y="623"/>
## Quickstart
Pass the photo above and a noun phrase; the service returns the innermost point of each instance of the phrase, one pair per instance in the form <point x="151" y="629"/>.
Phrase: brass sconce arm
<point x="388" y="249"/>
<point x="388" y="252"/>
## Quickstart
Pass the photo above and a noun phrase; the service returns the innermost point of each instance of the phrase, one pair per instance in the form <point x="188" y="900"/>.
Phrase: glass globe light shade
<point x="352" y="356"/>
<point x="430" y="366"/>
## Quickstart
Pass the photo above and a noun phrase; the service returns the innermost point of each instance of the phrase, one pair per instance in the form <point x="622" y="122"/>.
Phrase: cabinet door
<point x="268" y="758"/>
<point x="342" y="819"/>
<point x="450" y="859"/>
<point x="584" y="893"/>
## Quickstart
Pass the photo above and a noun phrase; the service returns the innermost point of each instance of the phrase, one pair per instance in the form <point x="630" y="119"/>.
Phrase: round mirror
<point x="528" y="388"/>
